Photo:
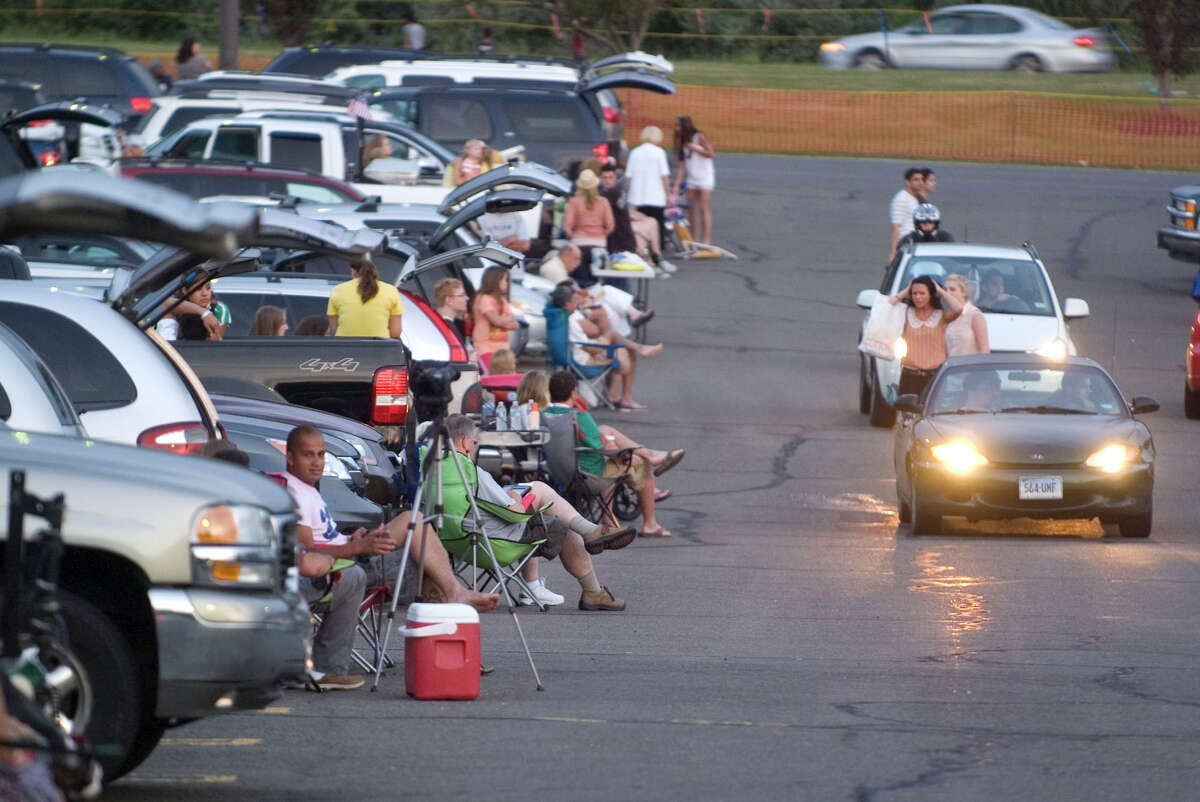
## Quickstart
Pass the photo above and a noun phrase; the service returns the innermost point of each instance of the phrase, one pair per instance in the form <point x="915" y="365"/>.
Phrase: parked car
<point x="1191" y="386"/>
<point x="31" y="399"/>
<point x="199" y="178"/>
<point x="97" y="75"/>
<point x="80" y="263"/>
<point x="1181" y="238"/>
<point x="1028" y="319"/>
<point x="23" y="143"/>
<point x="319" y="60"/>
<point x="1024" y="436"/>
<point x="976" y="37"/>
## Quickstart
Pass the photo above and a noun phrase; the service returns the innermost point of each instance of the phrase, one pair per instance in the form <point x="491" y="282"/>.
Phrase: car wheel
<point x="864" y="389"/>
<point x="117" y="717"/>
<point x="147" y="738"/>
<point x="870" y="60"/>
<point x="1191" y="402"/>
<point x="1026" y="63"/>
<point x="905" y="512"/>
<point x="924" y="520"/>
<point x="1138" y="525"/>
<point x="882" y="415"/>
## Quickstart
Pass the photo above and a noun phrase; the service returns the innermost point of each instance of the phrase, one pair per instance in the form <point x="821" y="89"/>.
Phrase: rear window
<point x="298" y="151"/>
<point x="36" y="68"/>
<point x="244" y="306"/>
<point x="91" y="376"/>
<point x="545" y="118"/>
<point x="181" y="117"/>
<point x="88" y="79"/>
<point x="457" y="119"/>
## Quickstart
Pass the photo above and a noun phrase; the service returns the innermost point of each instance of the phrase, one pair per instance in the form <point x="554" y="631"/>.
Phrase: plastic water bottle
<point x="516" y="418"/>
<point x="502" y="417"/>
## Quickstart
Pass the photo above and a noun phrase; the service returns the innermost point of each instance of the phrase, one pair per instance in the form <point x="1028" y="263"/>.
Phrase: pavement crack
<point x="1124" y="680"/>
<point x="1076" y="262"/>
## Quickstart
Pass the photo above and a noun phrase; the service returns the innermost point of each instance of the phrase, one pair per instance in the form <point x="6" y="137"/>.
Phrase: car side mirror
<point x="1075" y="308"/>
<point x="1142" y="404"/>
<point x="866" y="298"/>
<point x="909" y="403"/>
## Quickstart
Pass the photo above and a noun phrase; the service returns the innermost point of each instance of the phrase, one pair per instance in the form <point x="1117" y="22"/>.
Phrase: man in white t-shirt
<point x="377" y="554"/>
<point x="649" y="177"/>
<point x="507" y="228"/>
<point x="904" y="203"/>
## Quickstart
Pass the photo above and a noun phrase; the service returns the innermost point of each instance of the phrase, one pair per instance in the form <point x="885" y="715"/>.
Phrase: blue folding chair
<point x="593" y="379"/>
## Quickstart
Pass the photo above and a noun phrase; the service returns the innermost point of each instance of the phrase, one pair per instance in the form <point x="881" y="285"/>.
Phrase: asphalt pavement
<point x="792" y="641"/>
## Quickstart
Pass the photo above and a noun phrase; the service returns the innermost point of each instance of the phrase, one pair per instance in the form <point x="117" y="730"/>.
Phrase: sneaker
<point x="602" y="599"/>
<point x="541" y="594"/>
<point x="609" y="538"/>
<point x="340" y="682"/>
<point x="667" y="267"/>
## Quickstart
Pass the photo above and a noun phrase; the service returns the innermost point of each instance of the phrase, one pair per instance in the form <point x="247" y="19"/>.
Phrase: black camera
<point x="430" y="384"/>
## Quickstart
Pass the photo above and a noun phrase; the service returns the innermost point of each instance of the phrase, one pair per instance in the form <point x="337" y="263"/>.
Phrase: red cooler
<point x="441" y="651"/>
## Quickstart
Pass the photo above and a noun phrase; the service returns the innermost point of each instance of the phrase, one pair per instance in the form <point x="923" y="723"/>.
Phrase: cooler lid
<point x="429" y="613"/>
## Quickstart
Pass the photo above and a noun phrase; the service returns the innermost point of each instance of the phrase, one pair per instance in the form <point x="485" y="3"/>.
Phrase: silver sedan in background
<point x="976" y="37"/>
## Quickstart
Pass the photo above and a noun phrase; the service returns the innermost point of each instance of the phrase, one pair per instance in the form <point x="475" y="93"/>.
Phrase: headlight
<point x="234" y="544"/>
<point x="959" y="457"/>
<point x="900" y="348"/>
<point x="1055" y="349"/>
<point x="832" y="47"/>
<point x="335" y="467"/>
<point x="1113" y="458"/>
<point x="360" y="445"/>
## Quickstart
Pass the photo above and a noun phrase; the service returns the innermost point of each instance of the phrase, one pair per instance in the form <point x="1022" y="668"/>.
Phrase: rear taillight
<point x="178" y="438"/>
<point x="140" y="104"/>
<point x="391" y="397"/>
<point x="38" y="123"/>
<point x="458" y="353"/>
<point x="1084" y="41"/>
<point x="600" y="151"/>
<point x="49" y="157"/>
<point x="612" y="115"/>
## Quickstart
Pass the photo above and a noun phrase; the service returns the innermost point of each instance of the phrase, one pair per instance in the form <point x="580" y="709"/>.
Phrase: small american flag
<point x="359" y="108"/>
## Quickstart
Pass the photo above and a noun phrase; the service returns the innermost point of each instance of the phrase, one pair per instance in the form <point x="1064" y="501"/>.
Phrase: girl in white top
<point x="696" y="164"/>
<point x="967" y="333"/>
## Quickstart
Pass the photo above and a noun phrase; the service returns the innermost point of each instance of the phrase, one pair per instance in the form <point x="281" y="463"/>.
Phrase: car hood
<point x="1016" y="437"/>
<point x="1020" y="332"/>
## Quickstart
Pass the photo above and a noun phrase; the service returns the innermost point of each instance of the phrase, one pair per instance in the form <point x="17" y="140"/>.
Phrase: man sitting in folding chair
<point x="639" y="470"/>
<point x="375" y="553"/>
<point x="596" y="350"/>
<point x="566" y="533"/>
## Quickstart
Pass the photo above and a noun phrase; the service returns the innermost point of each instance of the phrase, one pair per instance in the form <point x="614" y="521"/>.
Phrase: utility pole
<point x="228" y="58"/>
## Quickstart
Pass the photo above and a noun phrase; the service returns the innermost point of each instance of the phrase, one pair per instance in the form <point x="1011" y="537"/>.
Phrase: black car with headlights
<point x="1000" y="436"/>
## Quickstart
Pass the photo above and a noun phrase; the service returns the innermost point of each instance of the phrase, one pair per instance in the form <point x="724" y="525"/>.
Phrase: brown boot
<point x="600" y="600"/>
<point x="609" y="537"/>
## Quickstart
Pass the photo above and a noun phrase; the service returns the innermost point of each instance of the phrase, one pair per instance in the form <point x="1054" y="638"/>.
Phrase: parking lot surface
<point x="793" y="640"/>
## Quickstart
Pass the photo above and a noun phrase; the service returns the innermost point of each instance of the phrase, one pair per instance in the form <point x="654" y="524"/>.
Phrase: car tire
<point x="905" y="512"/>
<point x="864" y="389"/>
<point x="1026" y="63"/>
<point x="881" y="414"/>
<point x="870" y="60"/>
<point x="1191" y="402"/>
<point x="117" y="716"/>
<point x="924" y="520"/>
<point x="1138" y="525"/>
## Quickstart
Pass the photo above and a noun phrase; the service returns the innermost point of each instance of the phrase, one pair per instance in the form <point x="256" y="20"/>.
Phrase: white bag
<point x="884" y="327"/>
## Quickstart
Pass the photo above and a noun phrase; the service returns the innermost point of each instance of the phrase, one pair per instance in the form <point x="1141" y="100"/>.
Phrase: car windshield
<point x="1033" y="390"/>
<point x="1008" y="286"/>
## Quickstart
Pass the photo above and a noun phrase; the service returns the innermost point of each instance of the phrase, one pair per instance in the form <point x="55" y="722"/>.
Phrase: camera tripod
<point x="431" y="476"/>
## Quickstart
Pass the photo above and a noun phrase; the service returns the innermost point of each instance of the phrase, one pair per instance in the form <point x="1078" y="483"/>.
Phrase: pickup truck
<point x="1181" y="238"/>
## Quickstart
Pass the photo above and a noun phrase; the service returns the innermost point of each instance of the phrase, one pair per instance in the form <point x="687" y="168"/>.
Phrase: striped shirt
<point x="926" y="340"/>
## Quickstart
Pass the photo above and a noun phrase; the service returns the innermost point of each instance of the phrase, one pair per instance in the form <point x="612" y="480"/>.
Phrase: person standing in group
<point x="578" y="41"/>
<point x="695" y="156"/>
<point x="928" y="183"/>
<point x="649" y="177"/>
<point x="362" y="307"/>
<point x="188" y="60"/>
<point x="967" y="333"/>
<point x="491" y="314"/>
<point x="486" y="46"/>
<point x="904" y="203"/>
<point x="414" y="32"/>
<point x="269" y="321"/>
<point x="925" y="324"/>
<point x="451" y="298"/>
<point x="588" y="220"/>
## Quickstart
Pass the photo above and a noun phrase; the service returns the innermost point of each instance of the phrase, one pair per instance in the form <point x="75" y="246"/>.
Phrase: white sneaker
<point x="542" y="593"/>
<point x="667" y="266"/>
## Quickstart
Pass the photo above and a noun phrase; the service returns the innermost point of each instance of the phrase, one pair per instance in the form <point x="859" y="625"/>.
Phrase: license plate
<point x="1039" y="487"/>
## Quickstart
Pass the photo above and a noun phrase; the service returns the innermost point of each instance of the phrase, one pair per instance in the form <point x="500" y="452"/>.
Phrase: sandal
<point x="661" y="495"/>
<point x="660" y="532"/>
<point x="673" y="459"/>
<point x="631" y="407"/>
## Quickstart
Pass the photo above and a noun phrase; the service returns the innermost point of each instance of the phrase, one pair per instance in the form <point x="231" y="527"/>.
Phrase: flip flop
<point x="673" y="459"/>
<point x="662" y="495"/>
<point x="660" y="532"/>
<point x="634" y="407"/>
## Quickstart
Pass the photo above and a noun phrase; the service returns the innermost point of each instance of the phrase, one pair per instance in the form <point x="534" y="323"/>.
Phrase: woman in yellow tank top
<point x="362" y="307"/>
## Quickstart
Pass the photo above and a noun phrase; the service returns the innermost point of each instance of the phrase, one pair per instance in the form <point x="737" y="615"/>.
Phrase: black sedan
<point x="1020" y="435"/>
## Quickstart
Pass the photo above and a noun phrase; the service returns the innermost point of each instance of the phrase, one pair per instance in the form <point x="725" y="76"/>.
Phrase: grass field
<point x="770" y="75"/>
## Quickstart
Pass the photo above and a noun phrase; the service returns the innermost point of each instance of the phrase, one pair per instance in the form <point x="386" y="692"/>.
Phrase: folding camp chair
<point x="596" y="497"/>
<point x="372" y="613"/>
<point x="461" y="537"/>
<point x="680" y="236"/>
<point x="593" y="379"/>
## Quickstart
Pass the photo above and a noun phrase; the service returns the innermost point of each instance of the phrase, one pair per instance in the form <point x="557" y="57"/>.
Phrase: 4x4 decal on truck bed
<point x="320" y="366"/>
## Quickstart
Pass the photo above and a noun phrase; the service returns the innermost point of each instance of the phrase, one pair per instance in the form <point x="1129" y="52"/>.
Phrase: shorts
<point x="636" y="473"/>
<point x="549" y="528"/>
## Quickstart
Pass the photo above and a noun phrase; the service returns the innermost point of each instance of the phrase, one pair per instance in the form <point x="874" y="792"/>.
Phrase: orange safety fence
<point x="965" y="126"/>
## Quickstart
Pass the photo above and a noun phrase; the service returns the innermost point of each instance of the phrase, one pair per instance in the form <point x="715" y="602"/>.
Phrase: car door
<point x="939" y="42"/>
<point x="237" y="143"/>
<point x="995" y="39"/>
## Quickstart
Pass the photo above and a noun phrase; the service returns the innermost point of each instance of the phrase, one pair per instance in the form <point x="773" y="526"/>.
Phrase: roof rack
<point x="1029" y="249"/>
<point x="237" y="86"/>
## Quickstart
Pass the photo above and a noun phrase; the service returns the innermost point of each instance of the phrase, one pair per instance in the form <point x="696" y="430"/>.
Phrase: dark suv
<point x="318" y="60"/>
<point x="64" y="72"/>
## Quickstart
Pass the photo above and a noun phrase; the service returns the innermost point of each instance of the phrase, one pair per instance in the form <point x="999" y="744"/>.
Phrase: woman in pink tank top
<point x="925" y="324"/>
